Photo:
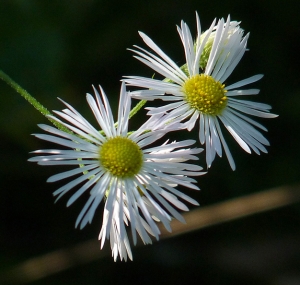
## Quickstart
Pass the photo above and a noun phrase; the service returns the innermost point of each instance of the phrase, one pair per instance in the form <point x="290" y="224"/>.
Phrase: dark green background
<point x="58" y="49"/>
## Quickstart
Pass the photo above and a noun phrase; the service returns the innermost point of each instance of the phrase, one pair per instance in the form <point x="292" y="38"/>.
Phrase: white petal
<point x="245" y="82"/>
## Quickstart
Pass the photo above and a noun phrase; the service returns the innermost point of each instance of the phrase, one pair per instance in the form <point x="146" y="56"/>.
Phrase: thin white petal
<point x="245" y="82"/>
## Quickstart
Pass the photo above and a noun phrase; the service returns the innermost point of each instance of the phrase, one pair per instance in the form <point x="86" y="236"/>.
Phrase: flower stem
<point x="132" y="112"/>
<point x="137" y="108"/>
<point x="37" y="105"/>
<point x="32" y="101"/>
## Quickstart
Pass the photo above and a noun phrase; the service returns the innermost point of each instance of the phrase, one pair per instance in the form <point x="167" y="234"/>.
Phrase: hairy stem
<point x="37" y="105"/>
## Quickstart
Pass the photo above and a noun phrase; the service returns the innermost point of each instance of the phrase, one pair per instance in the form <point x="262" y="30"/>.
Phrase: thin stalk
<point x="37" y="105"/>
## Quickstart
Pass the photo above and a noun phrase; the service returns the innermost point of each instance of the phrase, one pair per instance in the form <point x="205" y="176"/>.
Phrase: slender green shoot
<point x="37" y="105"/>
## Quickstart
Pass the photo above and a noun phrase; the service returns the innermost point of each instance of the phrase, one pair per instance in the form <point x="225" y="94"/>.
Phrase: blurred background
<point x="59" y="49"/>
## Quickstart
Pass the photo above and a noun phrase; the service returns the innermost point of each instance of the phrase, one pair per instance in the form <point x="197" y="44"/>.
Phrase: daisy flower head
<point x="199" y="89"/>
<point x="137" y="181"/>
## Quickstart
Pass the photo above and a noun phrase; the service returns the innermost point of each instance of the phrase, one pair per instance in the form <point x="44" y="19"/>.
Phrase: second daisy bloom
<point x="200" y="90"/>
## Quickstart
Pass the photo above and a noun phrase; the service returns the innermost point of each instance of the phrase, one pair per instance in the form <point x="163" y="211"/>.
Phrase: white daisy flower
<point x="137" y="182"/>
<point x="202" y="94"/>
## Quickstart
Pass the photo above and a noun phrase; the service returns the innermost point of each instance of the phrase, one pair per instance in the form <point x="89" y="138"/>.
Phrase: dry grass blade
<point x="57" y="261"/>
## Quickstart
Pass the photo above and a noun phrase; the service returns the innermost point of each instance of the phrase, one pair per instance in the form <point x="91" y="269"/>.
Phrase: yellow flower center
<point x="205" y="94"/>
<point x="121" y="157"/>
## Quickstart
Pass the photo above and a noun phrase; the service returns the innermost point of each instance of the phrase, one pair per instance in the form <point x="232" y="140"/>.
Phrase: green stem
<point x="45" y="111"/>
<point x="132" y="112"/>
<point x="32" y="101"/>
<point x="137" y="108"/>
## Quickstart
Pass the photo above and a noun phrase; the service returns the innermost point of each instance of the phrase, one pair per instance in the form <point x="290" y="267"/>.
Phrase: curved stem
<point x="37" y="105"/>
<point x="132" y="112"/>
<point x="137" y="108"/>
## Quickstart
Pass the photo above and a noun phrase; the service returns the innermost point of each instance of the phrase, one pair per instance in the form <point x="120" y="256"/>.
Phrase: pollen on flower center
<point x="121" y="157"/>
<point x="205" y="94"/>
